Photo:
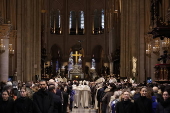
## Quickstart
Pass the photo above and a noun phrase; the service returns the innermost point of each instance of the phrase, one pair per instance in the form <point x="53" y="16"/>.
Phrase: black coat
<point x="44" y="101"/>
<point x="125" y="107"/>
<point x="24" y="105"/>
<point x="158" y="97"/>
<point x="57" y="103"/>
<point x="143" y="105"/>
<point x="65" y="101"/>
<point x="6" y="106"/>
<point x="163" y="106"/>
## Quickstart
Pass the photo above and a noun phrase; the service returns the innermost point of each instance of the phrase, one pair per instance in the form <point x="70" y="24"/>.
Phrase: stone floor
<point x="82" y="110"/>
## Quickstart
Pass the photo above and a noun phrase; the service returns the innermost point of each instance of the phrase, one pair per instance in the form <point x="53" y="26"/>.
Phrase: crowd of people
<point x="106" y="96"/>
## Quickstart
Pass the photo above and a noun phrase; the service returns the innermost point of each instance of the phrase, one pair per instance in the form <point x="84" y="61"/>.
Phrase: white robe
<point x="76" y="101"/>
<point x="85" y="96"/>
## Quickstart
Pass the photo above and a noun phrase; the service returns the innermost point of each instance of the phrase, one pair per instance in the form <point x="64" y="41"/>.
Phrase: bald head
<point x="155" y="89"/>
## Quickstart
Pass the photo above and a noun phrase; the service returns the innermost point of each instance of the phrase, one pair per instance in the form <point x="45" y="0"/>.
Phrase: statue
<point x="164" y="57"/>
<point x="79" y="60"/>
<point x="134" y="60"/>
<point x="93" y="63"/>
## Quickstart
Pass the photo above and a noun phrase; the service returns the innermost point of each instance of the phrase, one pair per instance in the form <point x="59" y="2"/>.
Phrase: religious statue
<point x="79" y="60"/>
<point x="71" y="59"/>
<point x="134" y="60"/>
<point x="93" y="63"/>
<point x="164" y="57"/>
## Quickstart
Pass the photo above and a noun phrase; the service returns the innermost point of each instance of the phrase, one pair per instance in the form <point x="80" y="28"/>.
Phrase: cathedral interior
<point x="44" y="38"/>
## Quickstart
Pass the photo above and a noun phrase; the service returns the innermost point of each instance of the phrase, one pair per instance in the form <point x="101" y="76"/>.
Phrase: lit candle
<point x="1" y="41"/>
<point x="147" y="52"/>
<point x="163" y="44"/>
<point x="154" y="49"/>
<point x="10" y="45"/>
<point x="54" y="24"/>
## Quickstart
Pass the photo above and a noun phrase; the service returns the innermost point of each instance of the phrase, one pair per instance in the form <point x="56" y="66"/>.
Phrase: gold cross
<point x="76" y="55"/>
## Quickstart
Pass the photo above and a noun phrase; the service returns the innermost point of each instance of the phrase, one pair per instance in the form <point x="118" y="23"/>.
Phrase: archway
<point x="97" y="54"/>
<point x="56" y="59"/>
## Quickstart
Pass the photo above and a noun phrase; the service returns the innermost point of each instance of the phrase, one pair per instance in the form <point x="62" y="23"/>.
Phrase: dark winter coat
<point x="44" y="101"/>
<point x="65" y="101"/>
<point x="125" y="107"/>
<point x="24" y="105"/>
<point x="143" y="105"/>
<point x="163" y="106"/>
<point x="57" y="103"/>
<point x="6" y="106"/>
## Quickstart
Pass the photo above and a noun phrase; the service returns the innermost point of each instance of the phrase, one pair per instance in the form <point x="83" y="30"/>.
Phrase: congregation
<point x="103" y="95"/>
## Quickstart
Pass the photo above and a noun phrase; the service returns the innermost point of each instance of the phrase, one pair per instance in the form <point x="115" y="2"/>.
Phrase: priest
<point x="85" y="97"/>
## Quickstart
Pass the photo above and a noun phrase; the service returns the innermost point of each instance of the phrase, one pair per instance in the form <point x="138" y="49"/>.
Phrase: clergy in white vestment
<point x="76" y="101"/>
<point x="85" y="96"/>
<point x="112" y="79"/>
<point x="59" y="79"/>
<point x="64" y="79"/>
<point x="100" y="80"/>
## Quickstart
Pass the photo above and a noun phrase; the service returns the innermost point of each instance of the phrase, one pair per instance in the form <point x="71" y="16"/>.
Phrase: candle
<point x="1" y="41"/>
<point x="146" y="51"/>
<point x="10" y="46"/>
<point x="54" y="24"/>
<point x="154" y="49"/>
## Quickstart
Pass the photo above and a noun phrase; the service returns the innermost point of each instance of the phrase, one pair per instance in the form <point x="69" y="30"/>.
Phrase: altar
<point x="76" y="73"/>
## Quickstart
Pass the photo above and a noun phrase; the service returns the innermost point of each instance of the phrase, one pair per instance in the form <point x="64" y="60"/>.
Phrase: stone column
<point x="4" y="56"/>
<point x="125" y="51"/>
<point x="132" y="39"/>
<point x="28" y="39"/>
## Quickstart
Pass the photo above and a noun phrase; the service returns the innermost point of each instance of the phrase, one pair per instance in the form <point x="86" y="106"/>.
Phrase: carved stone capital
<point x="5" y="30"/>
<point x="13" y="34"/>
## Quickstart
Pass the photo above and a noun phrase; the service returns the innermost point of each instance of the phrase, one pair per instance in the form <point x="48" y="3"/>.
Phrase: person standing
<point x="106" y="99"/>
<point x="143" y="104"/>
<point x="24" y="104"/>
<point x="56" y="98"/>
<point x="6" y="103"/>
<point x="85" y="97"/>
<point x="76" y="102"/>
<point x="164" y="105"/>
<point x="125" y="105"/>
<point x="43" y="99"/>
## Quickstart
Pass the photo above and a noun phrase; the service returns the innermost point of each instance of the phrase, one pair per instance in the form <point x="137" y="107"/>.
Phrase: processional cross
<point x="76" y="55"/>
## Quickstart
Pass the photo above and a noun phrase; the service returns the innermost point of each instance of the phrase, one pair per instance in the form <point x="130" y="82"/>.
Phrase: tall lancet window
<point x="55" y="22"/>
<point x="81" y="23"/>
<point x="98" y="22"/>
<point x="102" y="22"/>
<point x="72" y="23"/>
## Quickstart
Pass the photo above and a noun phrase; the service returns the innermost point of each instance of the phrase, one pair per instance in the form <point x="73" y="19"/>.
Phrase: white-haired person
<point x="156" y="94"/>
<point x="113" y="100"/>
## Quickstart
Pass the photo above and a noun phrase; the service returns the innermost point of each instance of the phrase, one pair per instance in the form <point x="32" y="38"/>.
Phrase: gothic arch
<point x="97" y="54"/>
<point x="55" y="52"/>
<point x="56" y="58"/>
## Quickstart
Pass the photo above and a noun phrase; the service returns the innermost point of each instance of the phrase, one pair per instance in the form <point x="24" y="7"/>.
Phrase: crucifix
<point x="76" y="55"/>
